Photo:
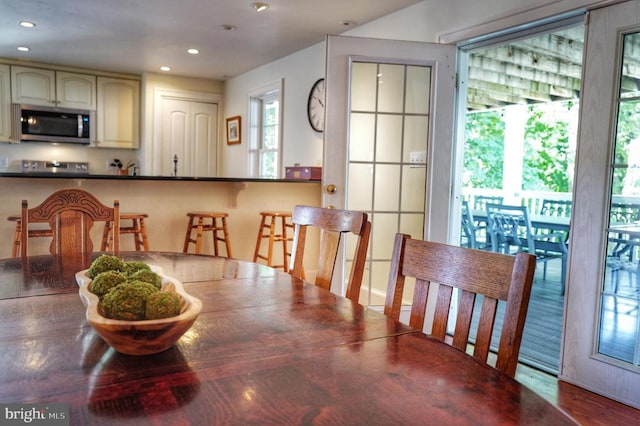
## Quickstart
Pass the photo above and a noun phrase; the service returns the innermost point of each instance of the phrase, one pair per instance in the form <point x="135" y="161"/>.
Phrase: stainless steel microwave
<point x="49" y="124"/>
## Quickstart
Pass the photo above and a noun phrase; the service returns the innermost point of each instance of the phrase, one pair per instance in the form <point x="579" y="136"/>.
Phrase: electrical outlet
<point x="4" y="162"/>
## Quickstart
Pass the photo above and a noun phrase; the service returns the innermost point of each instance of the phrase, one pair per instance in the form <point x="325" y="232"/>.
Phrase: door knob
<point x="331" y="188"/>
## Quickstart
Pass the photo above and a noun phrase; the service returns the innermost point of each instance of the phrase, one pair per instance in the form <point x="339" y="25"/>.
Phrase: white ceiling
<point x="136" y="36"/>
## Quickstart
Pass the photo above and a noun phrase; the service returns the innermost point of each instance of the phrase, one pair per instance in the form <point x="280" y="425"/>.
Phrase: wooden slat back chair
<point x="495" y="276"/>
<point x="71" y="214"/>
<point x="333" y="223"/>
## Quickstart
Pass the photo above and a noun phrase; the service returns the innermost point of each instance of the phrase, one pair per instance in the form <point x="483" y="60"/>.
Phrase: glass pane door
<point x="620" y="292"/>
<point x="599" y="347"/>
<point x="388" y="135"/>
<point x="382" y="117"/>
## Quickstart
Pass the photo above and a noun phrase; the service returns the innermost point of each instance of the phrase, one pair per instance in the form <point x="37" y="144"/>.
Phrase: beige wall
<point x="167" y="203"/>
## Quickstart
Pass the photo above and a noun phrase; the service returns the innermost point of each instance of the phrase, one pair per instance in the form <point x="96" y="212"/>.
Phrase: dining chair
<point x="495" y="276"/>
<point x="332" y="223"/>
<point x="511" y="231"/>
<point x="71" y="214"/>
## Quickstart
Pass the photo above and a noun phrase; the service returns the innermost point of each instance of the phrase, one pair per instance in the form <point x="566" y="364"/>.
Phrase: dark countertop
<point x="152" y="178"/>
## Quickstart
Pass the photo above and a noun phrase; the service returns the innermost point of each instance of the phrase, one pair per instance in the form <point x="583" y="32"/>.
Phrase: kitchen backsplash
<point x="11" y="156"/>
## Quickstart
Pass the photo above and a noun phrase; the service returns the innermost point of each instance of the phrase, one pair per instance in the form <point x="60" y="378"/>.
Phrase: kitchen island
<point x="165" y="199"/>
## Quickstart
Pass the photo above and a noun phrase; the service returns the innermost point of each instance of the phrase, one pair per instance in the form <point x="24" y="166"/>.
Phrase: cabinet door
<point x="33" y="86"/>
<point x="5" y="103"/>
<point x="118" y="113"/>
<point x="75" y="90"/>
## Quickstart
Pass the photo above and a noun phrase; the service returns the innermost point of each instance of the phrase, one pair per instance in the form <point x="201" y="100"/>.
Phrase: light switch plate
<point x="4" y="162"/>
<point x="419" y="157"/>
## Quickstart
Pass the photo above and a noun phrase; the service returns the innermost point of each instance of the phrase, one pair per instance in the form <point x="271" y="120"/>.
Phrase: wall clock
<point x="315" y="106"/>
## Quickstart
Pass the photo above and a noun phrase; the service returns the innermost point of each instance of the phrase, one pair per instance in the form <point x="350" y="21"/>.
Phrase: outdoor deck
<point x="543" y="328"/>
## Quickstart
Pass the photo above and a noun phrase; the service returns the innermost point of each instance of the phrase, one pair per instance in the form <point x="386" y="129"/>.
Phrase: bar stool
<point x="269" y="220"/>
<point x="137" y="228"/>
<point x="219" y="230"/>
<point x="15" y="249"/>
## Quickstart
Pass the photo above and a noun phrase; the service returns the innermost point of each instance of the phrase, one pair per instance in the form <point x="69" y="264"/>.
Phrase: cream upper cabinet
<point x="118" y="113"/>
<point x="75" y="90"/>
<point x="5" y="103"/>
<point x="35" y="86"/>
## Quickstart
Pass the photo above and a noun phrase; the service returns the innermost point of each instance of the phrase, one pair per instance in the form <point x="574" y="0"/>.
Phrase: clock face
<point x="315" y="106"/>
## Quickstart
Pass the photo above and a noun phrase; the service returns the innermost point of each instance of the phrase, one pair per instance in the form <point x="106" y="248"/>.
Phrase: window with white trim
<point x="265" y="147"/>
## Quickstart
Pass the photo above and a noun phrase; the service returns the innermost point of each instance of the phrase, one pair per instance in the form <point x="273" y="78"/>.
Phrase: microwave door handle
<point x="79" y="125"/>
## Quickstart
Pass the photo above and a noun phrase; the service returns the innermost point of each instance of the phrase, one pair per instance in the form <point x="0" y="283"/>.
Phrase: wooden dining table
<point x="267" y="348"/>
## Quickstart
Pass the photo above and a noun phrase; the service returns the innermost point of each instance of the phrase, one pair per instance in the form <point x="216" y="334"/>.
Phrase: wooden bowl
<point x="143" y="337"/>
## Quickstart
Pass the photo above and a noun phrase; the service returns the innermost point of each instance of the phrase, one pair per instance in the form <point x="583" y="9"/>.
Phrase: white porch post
<point x="515" y="119"/>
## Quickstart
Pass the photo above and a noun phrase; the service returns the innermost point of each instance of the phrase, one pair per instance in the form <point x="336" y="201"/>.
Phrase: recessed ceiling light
<point x="193" y="51"/>
<point x="259" y="7"/>
<point x="27" y="24"/>
<point x="23" y="48"/>
<point x="347" y="23"/>
<point x="165" y="68"/>
<point x="228" y="27"/>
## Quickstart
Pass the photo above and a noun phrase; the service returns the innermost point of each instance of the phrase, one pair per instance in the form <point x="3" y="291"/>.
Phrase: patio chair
<point x="510" y="230"/>
<point x="556" y="208"/>
<point x="495" y="276"/>
<point x="480" y="201"/>
<point x="474" y="233"/>
<point x="624" y="213"/>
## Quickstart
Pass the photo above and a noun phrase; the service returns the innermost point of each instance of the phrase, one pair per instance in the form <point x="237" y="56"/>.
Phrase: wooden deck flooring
<point x="542" y="333"/>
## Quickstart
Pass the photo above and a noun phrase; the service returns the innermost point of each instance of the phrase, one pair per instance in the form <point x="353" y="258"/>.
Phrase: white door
<point x="189" y="134"/>
<point x="204" y="140"/>
<point x="599" y="311"/>
<point x="388" y="143"/>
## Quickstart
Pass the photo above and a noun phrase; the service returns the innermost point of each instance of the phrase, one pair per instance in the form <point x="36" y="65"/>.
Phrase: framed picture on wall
<point x="233" y="130"/>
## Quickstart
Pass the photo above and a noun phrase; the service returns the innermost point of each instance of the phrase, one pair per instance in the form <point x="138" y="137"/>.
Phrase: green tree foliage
<point x="484" y="149"/>
<point x="547" y="148"/>
<point x="546" y="157"/>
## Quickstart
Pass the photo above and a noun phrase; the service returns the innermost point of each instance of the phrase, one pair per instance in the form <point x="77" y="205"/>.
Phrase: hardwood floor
<point x="585" y="407"/>
<point x="542" y="349"/>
